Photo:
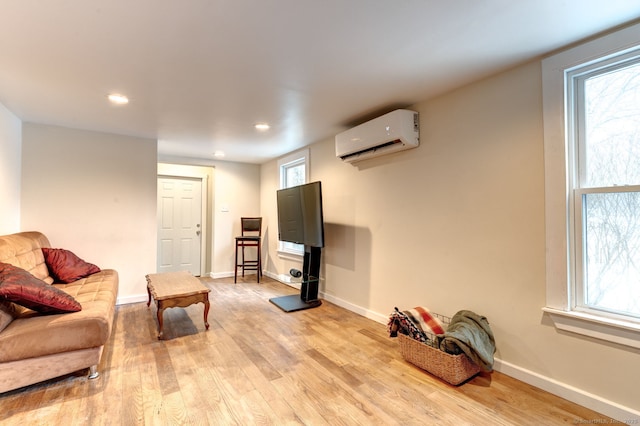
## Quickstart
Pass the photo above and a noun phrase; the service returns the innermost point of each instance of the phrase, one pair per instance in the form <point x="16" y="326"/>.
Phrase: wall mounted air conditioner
<point x="395" y="131"/>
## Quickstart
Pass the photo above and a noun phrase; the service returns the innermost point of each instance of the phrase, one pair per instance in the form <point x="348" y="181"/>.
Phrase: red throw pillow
<point x="66" y="267"/>
<point x="19" y="286"/>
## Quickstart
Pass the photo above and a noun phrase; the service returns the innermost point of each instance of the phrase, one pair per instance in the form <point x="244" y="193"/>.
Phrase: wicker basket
<point x="454" y="369"/>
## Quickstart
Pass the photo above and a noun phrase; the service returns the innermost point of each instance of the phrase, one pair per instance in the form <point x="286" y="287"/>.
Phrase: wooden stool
<point x="251" y="237"/>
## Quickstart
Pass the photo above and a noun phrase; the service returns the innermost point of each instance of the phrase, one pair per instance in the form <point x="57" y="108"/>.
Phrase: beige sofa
<point x="36" y="347"/>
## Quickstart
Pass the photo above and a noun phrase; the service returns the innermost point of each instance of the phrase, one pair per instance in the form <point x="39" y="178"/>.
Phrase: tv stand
<point x="308" y="297"/>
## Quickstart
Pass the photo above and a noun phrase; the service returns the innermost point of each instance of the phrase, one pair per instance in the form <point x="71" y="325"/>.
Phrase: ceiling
<point x="200" y="73"/>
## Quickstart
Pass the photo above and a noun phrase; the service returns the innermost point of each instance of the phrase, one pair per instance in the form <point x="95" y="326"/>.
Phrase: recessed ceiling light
<point x="262" y="126"/>
<point x="118" y="99"/>
<point x="218" y="154"/>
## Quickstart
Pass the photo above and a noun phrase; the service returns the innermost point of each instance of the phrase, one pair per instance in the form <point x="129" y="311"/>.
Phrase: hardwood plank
<point x="259" y="365"/>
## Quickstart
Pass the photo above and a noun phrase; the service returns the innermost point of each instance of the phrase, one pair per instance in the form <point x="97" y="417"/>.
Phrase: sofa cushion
<point x="19" y="286"/>
<point x="24" y="250"/>
<point x="7" y="314"/>
<point x="65" y="267"/>
<point x="40" y="335"/>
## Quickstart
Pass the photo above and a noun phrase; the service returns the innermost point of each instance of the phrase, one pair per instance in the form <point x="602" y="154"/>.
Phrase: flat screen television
<point x="300" y="217"/>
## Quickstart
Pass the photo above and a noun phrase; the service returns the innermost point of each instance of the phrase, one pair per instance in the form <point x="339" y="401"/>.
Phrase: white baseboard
<point x="220" y="274"/>
<point x="375" y="316"/>
<point x="226" y="274"/>
<point x="568" y="392"/>
<point x="132" y="299"/>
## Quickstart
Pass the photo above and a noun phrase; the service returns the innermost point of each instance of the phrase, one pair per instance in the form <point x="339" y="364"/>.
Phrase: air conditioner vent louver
<point x="369" y="150"/>
<point x="392" y="132"/>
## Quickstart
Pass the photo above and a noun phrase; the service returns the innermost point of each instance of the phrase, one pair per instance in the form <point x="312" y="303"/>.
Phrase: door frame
<point x="179" y="171"/>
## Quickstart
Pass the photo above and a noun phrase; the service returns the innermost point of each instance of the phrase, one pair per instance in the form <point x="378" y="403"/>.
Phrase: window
<point x="294" y="171"/>
<point x="592" y="189"/>
<point x="605" y="113"/>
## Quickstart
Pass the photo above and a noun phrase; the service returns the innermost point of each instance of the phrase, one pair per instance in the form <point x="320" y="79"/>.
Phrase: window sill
<point x="618" y="331"/>
<point x="290" y="255"/>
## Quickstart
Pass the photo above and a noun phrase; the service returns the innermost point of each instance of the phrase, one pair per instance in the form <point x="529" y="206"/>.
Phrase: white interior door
<point x="179" y="224"/>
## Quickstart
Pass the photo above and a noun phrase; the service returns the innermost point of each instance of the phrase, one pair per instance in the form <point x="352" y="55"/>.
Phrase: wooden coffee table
<point x="176" y="289"/>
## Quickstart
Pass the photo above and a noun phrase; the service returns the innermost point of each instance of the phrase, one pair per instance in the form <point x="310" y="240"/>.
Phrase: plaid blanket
<point x="415" y="323"/>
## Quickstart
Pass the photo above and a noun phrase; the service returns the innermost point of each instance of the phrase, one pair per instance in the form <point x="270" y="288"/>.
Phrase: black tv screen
<point x="300" y="217"/>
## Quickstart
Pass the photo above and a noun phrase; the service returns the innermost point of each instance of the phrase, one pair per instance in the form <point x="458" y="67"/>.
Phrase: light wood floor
<point x="259" y="365"/>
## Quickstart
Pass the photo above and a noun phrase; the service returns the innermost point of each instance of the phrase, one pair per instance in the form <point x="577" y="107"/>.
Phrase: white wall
<point x="10" y="170"/>
<point x="94" y="194"/>
<point x="458" y="223"/>
<point x="237" y="194"/>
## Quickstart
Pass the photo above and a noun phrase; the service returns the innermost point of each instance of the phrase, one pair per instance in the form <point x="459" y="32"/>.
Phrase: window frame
<point x="288" y="250"/>
<point x="560" y="206"/>
<point x="577" y="170"/>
